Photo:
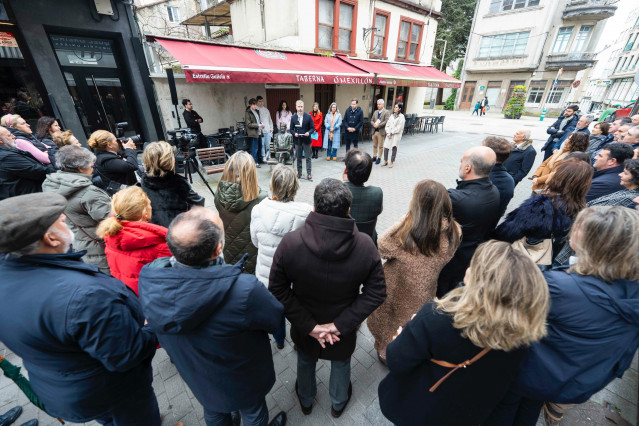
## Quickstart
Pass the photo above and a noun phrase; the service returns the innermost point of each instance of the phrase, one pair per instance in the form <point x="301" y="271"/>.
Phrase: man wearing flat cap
<point x="79" y="332"/>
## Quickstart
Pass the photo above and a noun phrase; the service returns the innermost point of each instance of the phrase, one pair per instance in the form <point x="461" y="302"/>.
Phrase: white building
<point x="515" y="42"/>
<point x="368" y="33"/>
<point x="622" y="89"/>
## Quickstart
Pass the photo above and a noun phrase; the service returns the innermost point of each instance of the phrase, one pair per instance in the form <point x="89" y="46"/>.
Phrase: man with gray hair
<point x="378" y="122"/>
<point x="476" y="204"/>
<point x="582" y="126"/>
<point x="522" y="157"/>
<point x="20" y="172"/>
<point x="213" y="321"/>
<point x="301" y="128"/>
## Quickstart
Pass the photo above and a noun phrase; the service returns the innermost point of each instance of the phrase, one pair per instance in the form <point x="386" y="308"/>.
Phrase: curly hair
<point x="632" y="166"/>
<point x="577" y="141"/>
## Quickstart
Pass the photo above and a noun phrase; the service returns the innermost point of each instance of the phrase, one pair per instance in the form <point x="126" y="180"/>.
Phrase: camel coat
<point x="411" y="281"/>
<point x="546" y="168"/>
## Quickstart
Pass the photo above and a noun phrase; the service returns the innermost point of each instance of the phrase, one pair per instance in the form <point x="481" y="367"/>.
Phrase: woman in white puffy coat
<point x="273" y="218"/>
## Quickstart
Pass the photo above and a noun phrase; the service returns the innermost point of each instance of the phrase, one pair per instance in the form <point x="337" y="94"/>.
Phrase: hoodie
<point x="593" y="334"/>
<point x="214" y="322"/>
<point x="87" y="206"/>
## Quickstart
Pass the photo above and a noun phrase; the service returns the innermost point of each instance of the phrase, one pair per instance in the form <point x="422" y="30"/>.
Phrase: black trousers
<point x="306" y="148"/>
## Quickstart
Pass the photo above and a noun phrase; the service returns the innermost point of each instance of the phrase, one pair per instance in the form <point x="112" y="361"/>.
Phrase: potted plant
<point x="515" y="106"/>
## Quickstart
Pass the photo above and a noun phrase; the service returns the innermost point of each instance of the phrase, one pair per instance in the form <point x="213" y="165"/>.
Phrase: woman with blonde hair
<point x="593" y="323"/>
<point x="237" y="194"/>
<point x="131" y="241"/>
<point x="333" y="125"/>
<point x="65" y="138"/>
<point x="416" y="249"/>
<point x="26" y="141"/>
<point x="114" y="161"/>
<point x="485" y="327"/>
<point x="170" y="193"/>
<point x="273" y="218"/>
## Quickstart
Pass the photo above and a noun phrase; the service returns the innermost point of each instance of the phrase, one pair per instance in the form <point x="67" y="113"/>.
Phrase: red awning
<point x="400" y="74"/>
<point x="206" y="62"/>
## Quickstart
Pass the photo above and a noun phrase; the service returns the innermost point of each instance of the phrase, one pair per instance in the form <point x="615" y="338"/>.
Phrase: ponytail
<point x="109" y="226"/>
<point x="128" y="204"/>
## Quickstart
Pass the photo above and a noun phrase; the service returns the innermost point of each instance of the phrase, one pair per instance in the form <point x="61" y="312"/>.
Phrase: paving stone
<point x="284" y="398"/>
<point x="167" y="369"/>
<point x="181" y="405"/>
<point x="190" y="420"/>
<point x="174" y="386"/>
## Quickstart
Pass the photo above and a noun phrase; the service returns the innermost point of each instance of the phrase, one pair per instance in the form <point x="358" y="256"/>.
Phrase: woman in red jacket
<point x="318" y="119"/>
<point x="131" y="241"/>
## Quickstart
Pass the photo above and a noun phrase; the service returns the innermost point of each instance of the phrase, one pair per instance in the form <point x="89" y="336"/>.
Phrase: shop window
<point x="512" y="44"/>
<point x="410" y="36"/>
<point x="536" y="91"/>
<point x="174" y="14"/>
<point x="380" y="33"/>
<point x="336" y="25"/>
<point x="561" y="42"/>
<point x="555" y="95"/>
<point x="580" y="40"/>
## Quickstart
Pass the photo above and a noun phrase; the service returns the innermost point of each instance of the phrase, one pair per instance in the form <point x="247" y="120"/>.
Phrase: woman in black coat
<point x="483" y="327"/>
<point x="170" y="193"/>
<point x="114" y="162"/>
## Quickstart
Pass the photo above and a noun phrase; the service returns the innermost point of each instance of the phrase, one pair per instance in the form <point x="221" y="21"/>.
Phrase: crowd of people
<point x="104" y="260"/>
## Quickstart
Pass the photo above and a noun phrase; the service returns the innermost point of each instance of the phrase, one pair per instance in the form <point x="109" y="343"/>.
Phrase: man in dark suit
<point x="367" y="200"/>
<point x="301" y="128"/>
<point x="608" y="164"/>
<point x="353" y="122"/>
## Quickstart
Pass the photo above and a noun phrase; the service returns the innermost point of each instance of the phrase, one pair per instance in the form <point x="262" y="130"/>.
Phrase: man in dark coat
<point x="476" y="208"/>
<point x="565" y="124"/>
<point x="20" y="172"/>
<point x="79" y="332"/>
<point x="216" y="329"/>
<point x="608" y="164"/>
<point x="193" y="120"/>
<point x="317" y="273"/>
<point x="301" y="128"/>
<point x="522" y="157"/>
<point x="499" y="176"/>
<point x="368" y="201"/>
<point x="353" y="122"/>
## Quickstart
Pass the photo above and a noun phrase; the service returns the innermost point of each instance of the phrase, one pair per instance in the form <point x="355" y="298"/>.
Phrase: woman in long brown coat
<point x="416" y="249"/>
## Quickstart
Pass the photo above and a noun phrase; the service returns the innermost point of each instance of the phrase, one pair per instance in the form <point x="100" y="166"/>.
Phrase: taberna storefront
<point x="79" y="61"/>
<point x="233" y="74"/>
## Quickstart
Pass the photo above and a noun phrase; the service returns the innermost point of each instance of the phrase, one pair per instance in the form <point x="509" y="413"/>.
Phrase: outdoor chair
<point x="439" y="121"/>
<point x="212" y="159"/>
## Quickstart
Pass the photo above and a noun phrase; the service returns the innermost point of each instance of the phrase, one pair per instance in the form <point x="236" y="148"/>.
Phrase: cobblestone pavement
<point x="422" y="156"/>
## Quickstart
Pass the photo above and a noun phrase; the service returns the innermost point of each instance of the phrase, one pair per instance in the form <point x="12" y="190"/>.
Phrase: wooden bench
<point x="212" y="159"/>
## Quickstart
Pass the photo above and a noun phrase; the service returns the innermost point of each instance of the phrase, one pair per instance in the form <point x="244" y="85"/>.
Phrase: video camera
<point x="183" y="140"/>
<point x="120" y="128"/>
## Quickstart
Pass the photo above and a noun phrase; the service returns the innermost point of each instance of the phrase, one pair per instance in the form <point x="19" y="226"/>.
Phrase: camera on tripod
<point x="120" y="128"/>
<point x="183" y="140"/>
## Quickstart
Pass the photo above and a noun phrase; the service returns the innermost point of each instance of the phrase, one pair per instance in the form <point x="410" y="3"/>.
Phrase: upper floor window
<point x="174" y="15"/>
<point x="561" y="42"/>
<point x="580" y="40"/>
<point x="497" y="6"/>
<point x="336" y="24"/>
<point x="511" y="44"/>
<point x="631" y="41"/>
<point x="410" y="39"/>
<point x="380" y="33"/>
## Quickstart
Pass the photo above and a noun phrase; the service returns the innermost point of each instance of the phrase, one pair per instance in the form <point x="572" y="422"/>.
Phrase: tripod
<point x="190" y="162"/>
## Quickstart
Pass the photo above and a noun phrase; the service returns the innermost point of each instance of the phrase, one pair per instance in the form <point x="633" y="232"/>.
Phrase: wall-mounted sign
<point x="482" y="87"/>
<point x="7" y="39"/>
<point x="576" y="84"/>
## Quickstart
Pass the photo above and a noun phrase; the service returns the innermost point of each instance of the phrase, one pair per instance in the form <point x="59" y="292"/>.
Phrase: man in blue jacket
<point x="565" y="124"/>
<point x="79" y="332"/>
<point x="608" y="164"/>
<point x="213" y="321"/>
<point x="353" y="122"/>
<point x="302" y="127"/>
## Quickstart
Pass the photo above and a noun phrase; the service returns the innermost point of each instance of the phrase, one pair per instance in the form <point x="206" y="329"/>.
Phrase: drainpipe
<point x="263" y="18"/>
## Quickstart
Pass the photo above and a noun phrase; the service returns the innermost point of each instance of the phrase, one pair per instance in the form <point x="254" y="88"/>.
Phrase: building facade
<point x="531" y="43"/>
<point x="622" y="89"/>
<point x="400" y="31"/>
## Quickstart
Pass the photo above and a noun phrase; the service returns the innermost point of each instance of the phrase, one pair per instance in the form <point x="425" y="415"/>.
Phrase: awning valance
<point x="400" y="74"/>
<point x="207" y="62"/>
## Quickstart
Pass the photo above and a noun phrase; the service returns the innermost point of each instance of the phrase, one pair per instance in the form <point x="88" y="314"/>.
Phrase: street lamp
<point x="441" y="64"/>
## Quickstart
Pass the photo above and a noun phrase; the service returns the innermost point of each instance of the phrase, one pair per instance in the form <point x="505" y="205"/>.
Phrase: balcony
<point x="589" y="9"/>
<point x="570" y="61"/>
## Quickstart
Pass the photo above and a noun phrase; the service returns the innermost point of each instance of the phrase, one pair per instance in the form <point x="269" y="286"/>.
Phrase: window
<point x="497" y="6"/>
<point x="380" y="34"/>
<point x="536" y="91"/>
<point x="512" y="44"/>
<point x="630" y="42"/>
<point x="616" y="66"/>
<point x="623" y="63"/>
<point x="630" y="61"/>
<point x="336" y="20"/>
<point x="634" y="66"/>
<point x="174" y="15"/>
<point x="561" y="42"/>
<point x="580" y="40"/>
<point x="410" y="36"/>
<point x="555" y="95"/>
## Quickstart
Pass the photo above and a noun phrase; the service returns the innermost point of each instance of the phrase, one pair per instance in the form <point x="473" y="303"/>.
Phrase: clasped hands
<point x="324" y="333"/>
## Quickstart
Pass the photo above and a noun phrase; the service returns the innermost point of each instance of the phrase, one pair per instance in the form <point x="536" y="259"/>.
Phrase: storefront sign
<point x="195" y="76"/>
<point x="7" y="39"/>
<point x="80" y="43"/>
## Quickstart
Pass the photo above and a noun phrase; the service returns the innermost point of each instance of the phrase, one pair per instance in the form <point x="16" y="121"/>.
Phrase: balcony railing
<point x="589" y="9"/>
<point x="570" y="61"/>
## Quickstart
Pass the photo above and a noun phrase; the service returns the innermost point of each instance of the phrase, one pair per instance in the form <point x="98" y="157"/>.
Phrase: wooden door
<point x="324" y="96"/>
<point x="467" y="95"/>
<point x="275" y="96"/>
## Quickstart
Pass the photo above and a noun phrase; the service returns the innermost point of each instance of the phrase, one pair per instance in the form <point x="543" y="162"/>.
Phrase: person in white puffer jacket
<point x="273" y="218"/>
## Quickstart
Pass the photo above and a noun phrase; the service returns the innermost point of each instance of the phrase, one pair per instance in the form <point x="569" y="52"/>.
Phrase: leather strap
<point x="455" y="367"/>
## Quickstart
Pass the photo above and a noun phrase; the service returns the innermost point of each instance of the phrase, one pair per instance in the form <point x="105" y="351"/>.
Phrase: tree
<point x="450" y="102"/>
<point x="454" y="27"/>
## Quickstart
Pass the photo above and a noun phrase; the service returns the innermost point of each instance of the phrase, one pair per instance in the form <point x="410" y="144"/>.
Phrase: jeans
<point x="266" y="145"/>
<point x="306" y="148"/>
<point x="280" y="334"/>
<point x="137" y="411"/>
<point x="255" y="150"/>
<point x="251" y="416"/>
<point x="307" y="382"/>
<point x="354" y="140"/>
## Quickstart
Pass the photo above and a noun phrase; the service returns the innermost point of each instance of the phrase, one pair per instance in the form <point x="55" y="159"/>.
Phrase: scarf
<point x="332" y="126"/>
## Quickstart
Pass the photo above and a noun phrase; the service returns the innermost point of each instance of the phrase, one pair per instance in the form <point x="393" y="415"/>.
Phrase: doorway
<point x="324" y="96"/>
<point x="467" y="95"/>
<point x="511" y="89"/>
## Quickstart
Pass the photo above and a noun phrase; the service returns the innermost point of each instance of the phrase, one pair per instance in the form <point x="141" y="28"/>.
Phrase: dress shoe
<point x="33" y="422"/>
<point x="299" y="176"/>
<point x="374" y="159"/>
<point x="336" y="413"/>
<point x="236" y="418"/>
<point x="279" y="345"/>
<point x="10" y="416"/>
<point x="379" y="160"/>
<point x="385" y="163"/>
<point x="279" y="420"/>
<point x="305" y="410"/>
